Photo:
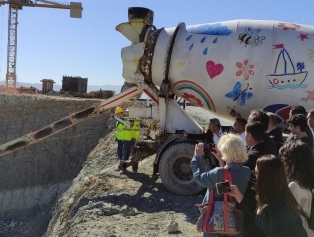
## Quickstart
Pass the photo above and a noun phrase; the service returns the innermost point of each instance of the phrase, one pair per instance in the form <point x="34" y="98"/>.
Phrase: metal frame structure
<point x="10" y="79"/>
<point x="14" y="6"/>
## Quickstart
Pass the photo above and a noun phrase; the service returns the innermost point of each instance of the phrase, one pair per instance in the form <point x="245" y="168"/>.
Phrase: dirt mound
<point x="101" y="202"/>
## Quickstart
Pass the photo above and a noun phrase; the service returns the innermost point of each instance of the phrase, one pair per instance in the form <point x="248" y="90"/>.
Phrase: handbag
<point x="220" y="217"/>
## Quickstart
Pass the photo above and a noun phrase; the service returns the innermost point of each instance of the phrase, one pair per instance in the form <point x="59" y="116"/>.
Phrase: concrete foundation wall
<point x="27" y="173"/>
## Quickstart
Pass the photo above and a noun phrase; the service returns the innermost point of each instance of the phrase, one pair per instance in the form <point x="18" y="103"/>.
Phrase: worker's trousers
<point x="120" y="149"/>
<point x="127" y="150"/>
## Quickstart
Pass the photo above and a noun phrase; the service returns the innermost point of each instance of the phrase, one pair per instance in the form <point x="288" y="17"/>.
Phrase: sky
<point x="51" y="44"/>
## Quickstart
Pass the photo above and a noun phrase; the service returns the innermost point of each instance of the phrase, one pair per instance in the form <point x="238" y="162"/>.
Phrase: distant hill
<point x="117" y="89"/>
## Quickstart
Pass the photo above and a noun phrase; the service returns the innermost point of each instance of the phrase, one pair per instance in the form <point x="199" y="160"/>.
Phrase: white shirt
<point x="216" y="138"/>
<point x="304" y="199"/>
<point x="242" y="137"/>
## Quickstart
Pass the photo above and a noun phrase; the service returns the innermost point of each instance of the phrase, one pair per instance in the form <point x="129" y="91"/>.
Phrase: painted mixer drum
<point x="235" y="66"/>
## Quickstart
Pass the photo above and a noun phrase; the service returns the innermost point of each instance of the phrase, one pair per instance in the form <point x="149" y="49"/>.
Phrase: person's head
<point x="260" y="116"/>
<point x="214" y="125"/>
<point x="299" y="163"/>
<point x="232" y="149"/>
<point x="298" y="109"/>
<point x="271" y="182"/>
<point x="239" y="125"/>
<point x="119" y="111"/>
<point x="310" y="118"/>
<point x="272" y="120"/>
<point x="254" y="133"/>
<point x="297" y="123"/>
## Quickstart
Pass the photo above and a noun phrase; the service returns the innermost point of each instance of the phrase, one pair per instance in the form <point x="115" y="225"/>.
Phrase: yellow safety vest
<point x="131" y="133"/>
<point x="136" y="129"/>
<point x="119" y="131"/>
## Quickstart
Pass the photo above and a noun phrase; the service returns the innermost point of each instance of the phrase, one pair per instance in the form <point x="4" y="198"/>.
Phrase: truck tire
<point x="175" y="171"/>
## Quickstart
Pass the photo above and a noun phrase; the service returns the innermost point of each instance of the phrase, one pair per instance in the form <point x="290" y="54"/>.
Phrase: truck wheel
<point x="175" y="171"/>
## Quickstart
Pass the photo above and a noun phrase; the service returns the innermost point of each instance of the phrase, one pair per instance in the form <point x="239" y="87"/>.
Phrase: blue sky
<point x="51" y="44"/>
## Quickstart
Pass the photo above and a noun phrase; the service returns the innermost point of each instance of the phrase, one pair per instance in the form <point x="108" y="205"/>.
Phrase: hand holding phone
<point x="223" y="187"/>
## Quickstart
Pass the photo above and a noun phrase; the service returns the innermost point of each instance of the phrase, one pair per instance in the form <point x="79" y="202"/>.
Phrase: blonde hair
<point x="232" y="149"/>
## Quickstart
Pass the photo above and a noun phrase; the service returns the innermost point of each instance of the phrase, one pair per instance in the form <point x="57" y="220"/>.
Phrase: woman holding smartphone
<point x="277" y="213"/>
<point x="231" y="153"/>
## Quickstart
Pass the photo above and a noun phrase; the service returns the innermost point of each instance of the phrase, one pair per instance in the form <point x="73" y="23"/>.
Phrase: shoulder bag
<point x="220" y="217"/>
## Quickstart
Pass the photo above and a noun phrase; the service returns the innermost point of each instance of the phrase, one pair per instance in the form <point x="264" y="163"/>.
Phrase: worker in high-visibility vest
<point x="119" y="136"/>
<point x="130" y="135"/>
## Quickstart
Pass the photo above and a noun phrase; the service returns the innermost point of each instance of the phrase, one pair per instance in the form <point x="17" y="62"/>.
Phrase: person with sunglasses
<point x="231" y="153"/>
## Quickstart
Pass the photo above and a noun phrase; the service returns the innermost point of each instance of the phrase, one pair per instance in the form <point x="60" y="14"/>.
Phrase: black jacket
<point x="306" y="140"/>
<point x="249" y="227"/>
<point x="276" y="134"/>
<point x="270" y="144"/>
<point x="308" y="133"/>
<point x="277" y="220"/>
<point x="254" y="153"/>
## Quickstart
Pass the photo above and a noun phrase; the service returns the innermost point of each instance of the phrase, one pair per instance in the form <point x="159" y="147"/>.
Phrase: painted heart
<point x="213" y="69"/>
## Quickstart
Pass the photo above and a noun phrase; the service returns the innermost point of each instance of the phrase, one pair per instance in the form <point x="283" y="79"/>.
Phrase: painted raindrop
<point x="188" y="38"/>
<point x="203" y="40"/>
<point x="215" y="40"/>
<point x="205" y="51"/>
<point x="191" y="47"/>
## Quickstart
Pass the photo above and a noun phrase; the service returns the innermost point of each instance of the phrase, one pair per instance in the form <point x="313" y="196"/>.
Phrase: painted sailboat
<point x="285" y="74"/>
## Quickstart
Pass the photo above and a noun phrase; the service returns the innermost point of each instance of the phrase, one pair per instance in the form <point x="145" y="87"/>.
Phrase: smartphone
<point x="223" y="187"/>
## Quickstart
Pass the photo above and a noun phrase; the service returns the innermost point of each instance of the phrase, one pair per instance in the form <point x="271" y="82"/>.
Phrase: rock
<point x="172" y="227"/>
<point x="126" y="211"/>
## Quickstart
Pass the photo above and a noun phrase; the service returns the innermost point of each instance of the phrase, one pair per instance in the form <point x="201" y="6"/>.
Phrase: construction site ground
<point x="103" y="202"/>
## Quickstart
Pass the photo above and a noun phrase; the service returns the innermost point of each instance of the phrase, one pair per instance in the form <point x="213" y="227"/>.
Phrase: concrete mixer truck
<point x="228" y="67"/>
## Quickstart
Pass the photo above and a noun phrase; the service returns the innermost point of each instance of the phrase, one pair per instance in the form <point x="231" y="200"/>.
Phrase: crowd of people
<point x="272" y="177"/>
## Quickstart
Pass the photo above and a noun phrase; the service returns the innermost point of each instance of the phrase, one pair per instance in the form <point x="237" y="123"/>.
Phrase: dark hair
<point x="256" y="129"/>
<point x="272" y="118"/>
<point x="260" y="116"/>
<point x="242" y="121"/>
<point x="299" y="163"/>
<point x="298" y="109"/>
<point x="298" y="120"/>
<point x="215" y="121"/>
<point x="271" y="183"/>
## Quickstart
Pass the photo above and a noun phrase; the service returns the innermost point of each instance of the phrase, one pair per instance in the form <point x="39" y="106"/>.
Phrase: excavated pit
<point x="33" y="178"/>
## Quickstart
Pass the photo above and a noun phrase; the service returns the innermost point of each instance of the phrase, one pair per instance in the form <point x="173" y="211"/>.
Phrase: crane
<point x="15" y="5"/>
